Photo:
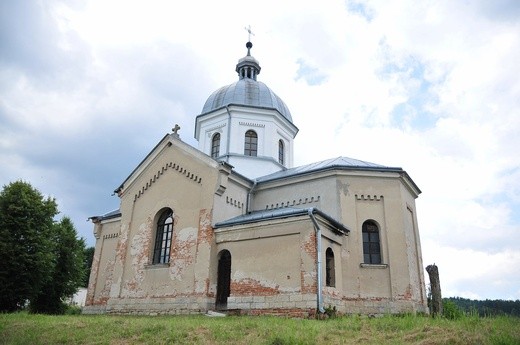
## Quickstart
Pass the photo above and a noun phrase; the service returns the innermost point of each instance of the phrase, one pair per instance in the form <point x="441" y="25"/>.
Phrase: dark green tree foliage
<point x="89" y="257"/>
<point x="487" y="307"/>
<point x="26" y="260"/>
<point x="68" y="270"/>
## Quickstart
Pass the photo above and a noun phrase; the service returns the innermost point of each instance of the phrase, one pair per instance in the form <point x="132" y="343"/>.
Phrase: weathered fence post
<point x="435" y="286"/>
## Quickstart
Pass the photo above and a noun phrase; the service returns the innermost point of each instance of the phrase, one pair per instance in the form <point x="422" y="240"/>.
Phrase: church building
<point x="233" y="226"/>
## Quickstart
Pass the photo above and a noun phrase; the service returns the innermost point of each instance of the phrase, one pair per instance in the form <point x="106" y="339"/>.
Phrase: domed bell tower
<point x="247" y="125"/>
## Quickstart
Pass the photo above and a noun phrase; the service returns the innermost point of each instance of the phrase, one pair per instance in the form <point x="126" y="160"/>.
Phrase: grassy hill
<point x="23" y="328"/>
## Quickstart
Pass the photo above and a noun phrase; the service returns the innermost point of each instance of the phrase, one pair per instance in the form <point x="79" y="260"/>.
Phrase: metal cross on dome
<point x="248" y="29"/>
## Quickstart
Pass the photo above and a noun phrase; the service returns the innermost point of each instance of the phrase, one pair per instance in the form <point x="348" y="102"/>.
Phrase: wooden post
<point x="435" y="286"/>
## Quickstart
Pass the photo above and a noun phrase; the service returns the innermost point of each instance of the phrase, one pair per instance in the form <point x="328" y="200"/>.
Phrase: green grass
<point x="22" y="328"/>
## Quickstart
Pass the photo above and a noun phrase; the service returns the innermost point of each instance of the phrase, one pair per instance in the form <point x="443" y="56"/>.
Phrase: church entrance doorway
<point x="224" y="279"/>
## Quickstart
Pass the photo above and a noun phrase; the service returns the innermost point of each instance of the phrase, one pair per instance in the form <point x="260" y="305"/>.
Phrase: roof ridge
<point x="340" y="161"/>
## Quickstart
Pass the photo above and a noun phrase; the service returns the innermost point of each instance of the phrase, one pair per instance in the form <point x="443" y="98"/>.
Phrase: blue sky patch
<point x="312" y="75"/>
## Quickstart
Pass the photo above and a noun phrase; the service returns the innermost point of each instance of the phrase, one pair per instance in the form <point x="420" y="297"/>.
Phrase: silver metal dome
<point x="249" y="92"/>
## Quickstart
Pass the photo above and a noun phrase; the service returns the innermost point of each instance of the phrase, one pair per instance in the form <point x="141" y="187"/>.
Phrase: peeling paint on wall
<point x="104" y="293"/>
<point x="205" y="229"/>
<point x="139" y="253"/>
<point x="182" y="255"/>
<point x="121" y="244"/>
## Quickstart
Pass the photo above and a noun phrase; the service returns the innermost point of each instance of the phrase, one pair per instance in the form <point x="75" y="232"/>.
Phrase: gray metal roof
<point x="248" y="92"/>
<point x="279" y="213"/>
<point x="108" y="215"/>
<point x="333" y="163"/>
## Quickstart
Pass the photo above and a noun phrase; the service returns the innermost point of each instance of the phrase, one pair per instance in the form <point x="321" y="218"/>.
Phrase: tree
<point x="26" y="260"/>
<point x="41" y="260"/>
<point x="68" y="270"/>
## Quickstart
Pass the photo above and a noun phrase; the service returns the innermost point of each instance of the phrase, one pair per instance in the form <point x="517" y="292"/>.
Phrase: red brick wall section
<point x="308" y="247"/>
<point x="252" y="287"/>
<point x="293" y="312"/>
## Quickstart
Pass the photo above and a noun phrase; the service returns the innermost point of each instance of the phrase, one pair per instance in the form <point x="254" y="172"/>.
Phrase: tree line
<point x="487" y="307"/>
<point x="42" y="260"/>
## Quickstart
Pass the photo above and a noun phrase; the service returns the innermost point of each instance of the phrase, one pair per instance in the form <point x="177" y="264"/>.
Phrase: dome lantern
<point x="248" y="66"/>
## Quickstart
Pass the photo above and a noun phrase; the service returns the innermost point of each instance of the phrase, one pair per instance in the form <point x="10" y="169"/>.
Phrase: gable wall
<point x="185" y="183"/>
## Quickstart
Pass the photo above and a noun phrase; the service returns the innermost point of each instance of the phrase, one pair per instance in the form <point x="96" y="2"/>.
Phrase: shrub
<point x="451" y="311"/>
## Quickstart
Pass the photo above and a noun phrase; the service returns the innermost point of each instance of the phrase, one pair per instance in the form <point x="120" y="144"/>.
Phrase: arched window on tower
<point x="281" y="152"/>
<point x="163" y="238"/>
<point x="215" y="145"/>
<point x="371" y="245"/>
<point x="330" y="268"/>
<point x="251" y="143"/>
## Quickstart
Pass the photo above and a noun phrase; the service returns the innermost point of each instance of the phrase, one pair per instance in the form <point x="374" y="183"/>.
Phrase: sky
<point x="88" y="88"/>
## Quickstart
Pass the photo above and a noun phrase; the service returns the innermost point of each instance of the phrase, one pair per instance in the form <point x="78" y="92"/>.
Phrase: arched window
<point x="215" y="145"/>
<point x="371" y="245"/>
<point x="251" y="143"/>
<point x="330" y="268"/>
<point x="280" y="152"/>
<point x="163" y="238"/>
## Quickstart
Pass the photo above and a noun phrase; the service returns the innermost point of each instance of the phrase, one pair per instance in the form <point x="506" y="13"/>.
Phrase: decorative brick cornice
<point x="168" y="166"/>
<point x="294" y="202"/>
<point x="369" y="197"/>
<point x="234" y="202"/>
<point x="251" y="124"/>
<point x="114" y="235"/>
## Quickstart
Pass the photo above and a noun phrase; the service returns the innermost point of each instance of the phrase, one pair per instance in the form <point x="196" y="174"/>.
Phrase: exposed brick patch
<point x="331" y="291"/>
<point x="250" y="287"/>
<point x="206" y="233"/>
<point x="407" y="294"/>
<point x="121" y="244"/>
<point x="101" y="301"/>
<point x="308" y="276"/>
<point x="140" y="255"/>
<point x="182" y="256"/>
<point x="104" y="294"/>
<point x="309" y="245"/>
<point x="283" y="312"/>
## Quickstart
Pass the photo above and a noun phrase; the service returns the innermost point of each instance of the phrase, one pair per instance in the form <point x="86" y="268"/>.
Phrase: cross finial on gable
<point x="176" y="129"/>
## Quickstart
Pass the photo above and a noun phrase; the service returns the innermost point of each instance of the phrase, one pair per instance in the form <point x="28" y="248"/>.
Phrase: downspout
<point x="248" y="201"/>
<point x="228" y="134"/>
<point x="318" y="259"/>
